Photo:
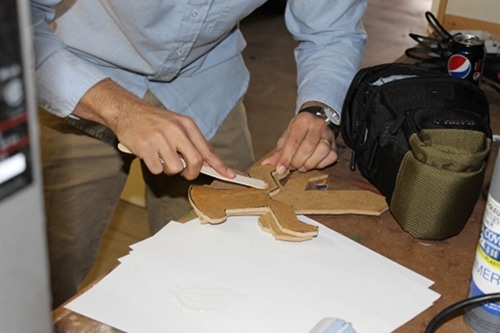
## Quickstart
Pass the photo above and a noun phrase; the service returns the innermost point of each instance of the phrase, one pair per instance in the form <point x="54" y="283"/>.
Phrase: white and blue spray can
<point x="486" y="269"/>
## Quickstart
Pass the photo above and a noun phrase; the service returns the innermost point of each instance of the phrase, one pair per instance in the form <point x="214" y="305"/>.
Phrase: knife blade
<point x="209" y="171"/>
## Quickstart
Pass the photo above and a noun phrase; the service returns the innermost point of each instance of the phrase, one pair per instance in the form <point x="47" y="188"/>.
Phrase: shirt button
<point x="194" y="14"/>
<point x="179" y="52"/>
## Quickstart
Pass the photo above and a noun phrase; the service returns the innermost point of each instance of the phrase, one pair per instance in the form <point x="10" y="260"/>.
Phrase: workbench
<point x="448" y="262"/>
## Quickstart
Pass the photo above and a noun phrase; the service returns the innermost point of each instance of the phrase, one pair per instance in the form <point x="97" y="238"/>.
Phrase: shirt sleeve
<point x="331" y="46"/>
<point x="61" y="77"/>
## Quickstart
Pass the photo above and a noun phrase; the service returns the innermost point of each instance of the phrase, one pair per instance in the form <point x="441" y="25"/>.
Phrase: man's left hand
<point x="307" y="144"/>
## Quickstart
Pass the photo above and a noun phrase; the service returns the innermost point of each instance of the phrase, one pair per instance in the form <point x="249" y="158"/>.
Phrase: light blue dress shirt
<point x="187" y="52"/>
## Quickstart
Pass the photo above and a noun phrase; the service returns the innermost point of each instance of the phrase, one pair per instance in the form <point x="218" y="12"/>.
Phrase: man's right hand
<point x="149" y="132"/>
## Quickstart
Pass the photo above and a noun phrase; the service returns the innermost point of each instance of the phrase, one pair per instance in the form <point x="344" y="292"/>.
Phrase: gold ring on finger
<point x="328" y="142"/>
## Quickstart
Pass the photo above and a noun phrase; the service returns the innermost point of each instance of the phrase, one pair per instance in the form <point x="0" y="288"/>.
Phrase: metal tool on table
<point x="209" y="171"/>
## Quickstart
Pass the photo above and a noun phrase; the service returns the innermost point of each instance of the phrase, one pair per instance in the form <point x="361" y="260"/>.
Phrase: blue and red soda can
<point x="466" y="59"/>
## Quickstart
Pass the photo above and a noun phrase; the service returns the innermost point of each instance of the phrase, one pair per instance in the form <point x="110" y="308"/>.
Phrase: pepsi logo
<point x="459" y="66"/>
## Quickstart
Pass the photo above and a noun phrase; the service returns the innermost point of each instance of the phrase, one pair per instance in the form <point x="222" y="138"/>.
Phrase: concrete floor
<point x="271" y="97"/>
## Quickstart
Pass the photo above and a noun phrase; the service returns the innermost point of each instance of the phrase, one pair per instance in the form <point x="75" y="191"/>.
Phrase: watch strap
<point x="320" y="112"/>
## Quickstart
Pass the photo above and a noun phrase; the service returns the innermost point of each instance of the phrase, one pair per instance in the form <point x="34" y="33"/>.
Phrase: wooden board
<point x="459" y="22"/>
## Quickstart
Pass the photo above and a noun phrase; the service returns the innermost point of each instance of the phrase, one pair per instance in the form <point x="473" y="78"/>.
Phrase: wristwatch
<point x="329" y="115"/>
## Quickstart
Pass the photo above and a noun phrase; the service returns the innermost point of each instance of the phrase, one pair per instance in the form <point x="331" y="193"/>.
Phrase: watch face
<point x="332" y="115"/>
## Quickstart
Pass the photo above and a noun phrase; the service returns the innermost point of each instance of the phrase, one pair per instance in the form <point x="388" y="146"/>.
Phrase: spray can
<point x="486" y="269"/>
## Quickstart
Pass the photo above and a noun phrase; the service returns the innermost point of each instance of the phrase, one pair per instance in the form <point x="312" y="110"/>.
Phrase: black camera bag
<point x="422" y="138"/>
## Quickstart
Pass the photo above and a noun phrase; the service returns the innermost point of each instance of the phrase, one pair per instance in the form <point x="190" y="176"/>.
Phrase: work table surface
<point x="448" y="262"/>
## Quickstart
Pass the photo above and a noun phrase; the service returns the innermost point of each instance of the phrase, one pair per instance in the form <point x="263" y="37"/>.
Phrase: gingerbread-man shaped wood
<point x="279" y="205"/>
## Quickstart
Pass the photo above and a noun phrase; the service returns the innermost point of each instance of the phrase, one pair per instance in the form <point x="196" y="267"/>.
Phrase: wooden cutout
<point x="269" y="224"/>
<point x="279" y="205"/>
<point x="214" y="205"/>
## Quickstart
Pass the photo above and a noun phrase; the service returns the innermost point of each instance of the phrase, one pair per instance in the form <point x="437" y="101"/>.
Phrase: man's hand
<point x="307" y="143"/>
<point x="151" y="133"/>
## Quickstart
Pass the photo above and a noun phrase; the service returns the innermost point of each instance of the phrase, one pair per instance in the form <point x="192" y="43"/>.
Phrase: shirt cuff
<point x="62" y="80"/>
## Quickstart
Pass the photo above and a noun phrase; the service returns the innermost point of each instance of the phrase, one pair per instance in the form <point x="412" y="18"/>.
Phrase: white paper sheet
<point x="233" y="277"/>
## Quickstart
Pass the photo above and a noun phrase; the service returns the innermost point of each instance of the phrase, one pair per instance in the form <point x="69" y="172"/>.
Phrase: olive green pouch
<point x="439" y="182"/>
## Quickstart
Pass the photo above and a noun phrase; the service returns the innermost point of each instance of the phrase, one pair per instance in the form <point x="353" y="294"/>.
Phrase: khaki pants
<point x="83" y="180"/>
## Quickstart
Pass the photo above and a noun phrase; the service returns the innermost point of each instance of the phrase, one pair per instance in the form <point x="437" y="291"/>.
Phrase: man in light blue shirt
<point x="166" y="78"/>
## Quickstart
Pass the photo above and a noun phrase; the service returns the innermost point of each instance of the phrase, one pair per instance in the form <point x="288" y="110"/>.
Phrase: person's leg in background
<point x="167" y="196"/>
<point x="83" y="180"/>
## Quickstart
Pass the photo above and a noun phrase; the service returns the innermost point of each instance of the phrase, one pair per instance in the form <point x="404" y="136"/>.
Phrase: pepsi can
<point x="466" y="59"/>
